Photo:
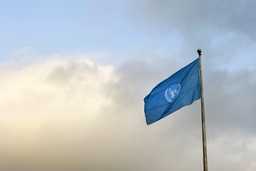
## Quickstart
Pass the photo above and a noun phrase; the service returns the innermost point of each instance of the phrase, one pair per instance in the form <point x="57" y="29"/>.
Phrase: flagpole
<point x="204" y="140"/>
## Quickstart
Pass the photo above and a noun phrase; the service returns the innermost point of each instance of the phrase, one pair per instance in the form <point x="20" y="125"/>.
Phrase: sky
<point x="73" y="27"/>
<point x="73" y="76"/>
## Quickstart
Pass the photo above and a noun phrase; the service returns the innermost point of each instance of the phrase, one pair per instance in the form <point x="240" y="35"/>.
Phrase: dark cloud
<point x="223" y="29"/>
<point x="200" y="16"/>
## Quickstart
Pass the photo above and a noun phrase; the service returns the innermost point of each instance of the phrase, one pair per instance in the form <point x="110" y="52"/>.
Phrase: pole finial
<point x="199" y="51"/>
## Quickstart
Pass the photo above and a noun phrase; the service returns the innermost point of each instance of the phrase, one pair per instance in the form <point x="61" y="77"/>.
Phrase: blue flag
<point x="177" y="91"/>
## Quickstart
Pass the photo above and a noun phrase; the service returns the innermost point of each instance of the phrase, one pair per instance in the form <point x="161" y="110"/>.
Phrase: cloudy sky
<point x="73" y="76"/>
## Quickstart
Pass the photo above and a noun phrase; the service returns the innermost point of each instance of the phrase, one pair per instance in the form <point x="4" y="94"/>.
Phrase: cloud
<point x="223" y="29"/>
<point x="47" y="108"/>
<point x="201" y="15"/>
<point x="78" y="114"/>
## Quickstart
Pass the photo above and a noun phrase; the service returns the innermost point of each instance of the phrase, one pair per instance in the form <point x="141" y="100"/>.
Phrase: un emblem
<point x="172" y="92"/>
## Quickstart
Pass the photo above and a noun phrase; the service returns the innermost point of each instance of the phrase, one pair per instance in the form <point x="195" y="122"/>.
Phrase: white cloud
<point x="53" y="98"/>
<point x="77" y="114"/>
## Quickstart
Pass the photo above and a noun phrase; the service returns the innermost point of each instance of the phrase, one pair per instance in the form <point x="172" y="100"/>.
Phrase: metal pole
<point x="205" y="162"/>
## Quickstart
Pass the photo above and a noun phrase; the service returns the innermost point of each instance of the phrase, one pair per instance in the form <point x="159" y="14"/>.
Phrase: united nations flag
<point x="180" y="89"/>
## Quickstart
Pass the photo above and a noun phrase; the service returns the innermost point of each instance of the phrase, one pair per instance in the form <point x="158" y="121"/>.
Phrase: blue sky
<point x="126" y="29"/>
<point x="52" y="26"/>
<point x="75" y="27"/>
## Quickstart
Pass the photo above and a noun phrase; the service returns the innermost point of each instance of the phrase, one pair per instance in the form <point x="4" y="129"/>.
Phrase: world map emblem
<point x="172" y="92"/>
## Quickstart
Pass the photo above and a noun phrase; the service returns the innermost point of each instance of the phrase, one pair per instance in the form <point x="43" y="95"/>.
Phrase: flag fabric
<point x="177" y="91"/>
